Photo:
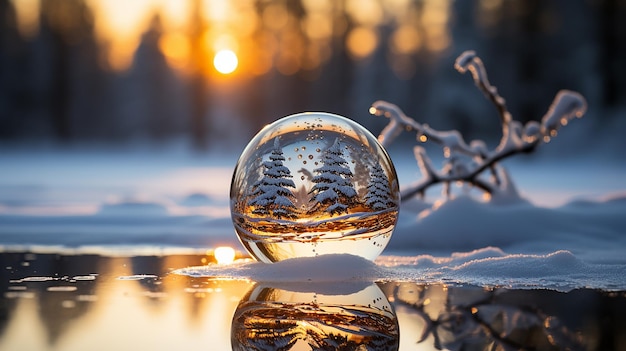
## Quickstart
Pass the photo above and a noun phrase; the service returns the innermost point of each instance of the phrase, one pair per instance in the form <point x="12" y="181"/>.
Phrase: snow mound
<point x="487" y="267"/>
<point x="320" y="269"/>
<point x="593" y="231"/>
<point x="558" y="270"/>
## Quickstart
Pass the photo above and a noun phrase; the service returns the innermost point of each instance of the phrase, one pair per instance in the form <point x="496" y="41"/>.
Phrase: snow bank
<point x="593" y="230"/>
<point x="559" y="270"/>
<point x="320" y="269"/>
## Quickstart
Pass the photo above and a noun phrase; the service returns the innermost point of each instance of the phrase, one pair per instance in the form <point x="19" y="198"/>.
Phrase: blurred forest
<point x="115" y="72"/>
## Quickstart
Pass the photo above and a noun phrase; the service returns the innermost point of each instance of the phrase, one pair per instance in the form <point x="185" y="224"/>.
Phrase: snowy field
<point x="570" y="232"/>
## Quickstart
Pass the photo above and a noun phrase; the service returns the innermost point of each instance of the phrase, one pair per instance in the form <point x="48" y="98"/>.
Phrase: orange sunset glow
<point x="289" y="37"/>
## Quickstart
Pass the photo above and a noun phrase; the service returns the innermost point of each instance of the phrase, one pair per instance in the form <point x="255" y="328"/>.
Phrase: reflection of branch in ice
<point x="483" y="323"/>
<point x="466" y="162"/>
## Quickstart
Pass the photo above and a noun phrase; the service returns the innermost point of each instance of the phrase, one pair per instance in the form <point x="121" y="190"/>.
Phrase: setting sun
<point x="225" y="61"/>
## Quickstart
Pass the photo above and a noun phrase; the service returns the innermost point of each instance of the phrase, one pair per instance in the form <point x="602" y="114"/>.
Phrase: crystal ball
<point x="311" y="184"/>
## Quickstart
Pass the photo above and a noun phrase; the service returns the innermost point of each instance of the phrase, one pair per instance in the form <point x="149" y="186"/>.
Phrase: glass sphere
<point x="311" y="184"/>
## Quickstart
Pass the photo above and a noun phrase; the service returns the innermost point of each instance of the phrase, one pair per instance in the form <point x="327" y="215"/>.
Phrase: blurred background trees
<point x="111" y="72"/>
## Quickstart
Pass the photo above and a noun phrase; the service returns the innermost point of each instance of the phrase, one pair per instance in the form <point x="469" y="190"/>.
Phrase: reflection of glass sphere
<point x="312" y="184"/>
<point x="269" y="318"/>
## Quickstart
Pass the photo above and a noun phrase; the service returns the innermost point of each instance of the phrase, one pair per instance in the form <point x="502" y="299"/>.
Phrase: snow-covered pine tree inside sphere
<point x="311" y="184"/>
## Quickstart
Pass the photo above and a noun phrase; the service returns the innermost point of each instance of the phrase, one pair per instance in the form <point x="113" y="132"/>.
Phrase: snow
<point x="566" y="106"/>
<point x="322" y="269"/>
<point x="328" y="178"/>
<point x="336" y="208"/>
<point x="596" y="233"/>
<point x="559" y="270"/>
<point x="569" y="232"/>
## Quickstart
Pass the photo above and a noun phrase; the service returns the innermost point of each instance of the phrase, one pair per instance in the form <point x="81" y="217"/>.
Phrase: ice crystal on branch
<point x="465" y="162"/>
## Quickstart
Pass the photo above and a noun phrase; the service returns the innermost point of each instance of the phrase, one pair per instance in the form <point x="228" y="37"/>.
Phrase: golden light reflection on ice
<point x="139" y="311"/>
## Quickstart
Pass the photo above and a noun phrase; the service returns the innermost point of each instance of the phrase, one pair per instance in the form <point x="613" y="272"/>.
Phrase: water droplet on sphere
<point x="347" y="197"/>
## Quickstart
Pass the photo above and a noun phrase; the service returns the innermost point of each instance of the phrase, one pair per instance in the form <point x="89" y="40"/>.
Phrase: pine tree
<point x="361" y="171"/>
<point x="333" y="185"/>
<point x="271" y="194"/>
<point x="378" y="193"/>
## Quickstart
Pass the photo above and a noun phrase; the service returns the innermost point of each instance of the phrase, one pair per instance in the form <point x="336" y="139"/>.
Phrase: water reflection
<point x="127" y="303"/>
<point x="487" y="319"/>
<point x="79" y="302"/>
<point x="314" y="318"/>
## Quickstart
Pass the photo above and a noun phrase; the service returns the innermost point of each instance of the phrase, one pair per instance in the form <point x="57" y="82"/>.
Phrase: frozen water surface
<point x="137" y="302"/>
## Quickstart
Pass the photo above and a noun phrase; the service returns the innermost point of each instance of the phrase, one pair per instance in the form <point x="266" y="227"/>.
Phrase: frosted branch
<point x="566" y="106"/>
<point x="468" y="61"/>
<point x="430" y="176"/>
<point x="466" y="163"/>
<point x="399" y="122"/>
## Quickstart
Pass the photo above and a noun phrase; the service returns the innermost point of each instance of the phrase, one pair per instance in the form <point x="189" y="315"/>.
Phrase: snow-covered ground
<point x="570" y="232"/>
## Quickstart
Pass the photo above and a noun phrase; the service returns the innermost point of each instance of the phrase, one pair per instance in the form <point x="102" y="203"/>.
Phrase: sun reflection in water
<point x="224" y="255"/>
